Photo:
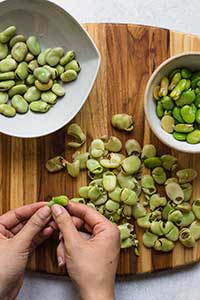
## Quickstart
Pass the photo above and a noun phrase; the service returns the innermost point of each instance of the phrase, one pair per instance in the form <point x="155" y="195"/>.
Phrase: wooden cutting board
<point x="130" y="53"/>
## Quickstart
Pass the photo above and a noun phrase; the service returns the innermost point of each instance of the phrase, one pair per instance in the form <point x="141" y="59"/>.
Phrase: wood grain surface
<point x="130" y="53"/>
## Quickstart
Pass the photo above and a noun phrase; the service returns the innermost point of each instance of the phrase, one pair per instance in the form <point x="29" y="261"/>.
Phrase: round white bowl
<point x="54" y="27"/>
<point x="190" y="60"/>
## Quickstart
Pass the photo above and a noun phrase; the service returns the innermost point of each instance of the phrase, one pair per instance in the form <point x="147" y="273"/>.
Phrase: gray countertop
<point x="179" y="15"/>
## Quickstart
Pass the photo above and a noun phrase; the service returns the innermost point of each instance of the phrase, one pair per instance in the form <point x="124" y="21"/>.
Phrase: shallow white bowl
<point x="190" y="60"/>
<point x="53" y="26"/>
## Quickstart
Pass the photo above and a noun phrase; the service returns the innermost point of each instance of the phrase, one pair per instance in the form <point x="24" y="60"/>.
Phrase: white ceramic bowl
<point x="54" y="27"/>
<point x="190" y="60"/>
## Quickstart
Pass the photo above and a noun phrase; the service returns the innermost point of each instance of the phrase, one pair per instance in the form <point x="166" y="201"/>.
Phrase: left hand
<point x="21" y="230"/>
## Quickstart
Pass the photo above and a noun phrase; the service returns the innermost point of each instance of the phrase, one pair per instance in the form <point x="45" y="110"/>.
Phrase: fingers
<point x="77" y="222"/>
<point x="34" y="226"/>
<point x="61" y="254"/>
<point x="14" y="217"/>
<point x="4" y="232"/>
<point x="65" y="224"/>
<point x="90" y="216"/>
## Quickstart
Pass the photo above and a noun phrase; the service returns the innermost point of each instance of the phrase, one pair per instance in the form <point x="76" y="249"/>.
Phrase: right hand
<point x="91" y="263"/>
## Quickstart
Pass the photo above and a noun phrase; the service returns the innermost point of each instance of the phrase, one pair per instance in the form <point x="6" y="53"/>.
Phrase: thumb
<point x="36" y="223"/>
<point x="66" y="225"/>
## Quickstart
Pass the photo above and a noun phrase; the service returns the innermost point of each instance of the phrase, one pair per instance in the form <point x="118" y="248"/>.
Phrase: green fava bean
<point x="7" y="65"/>
<point x="113" y="144"/>
<point x="164" y="86"/>
<point x="60" y="69"/>
<point x="197" y="117"/>
<point x="79" y="200"/>
<point x="144" y="222"/>
<point x="49" y="97"/>
<point x="94" y="193"/>
<point x="30" y="79"/>
<point x="3" y="97"/>
<point x="109" y="181"/>
<point x="68" y="76"/>
<point x="3" y="51"/>
<point x="42" y="74"/>
<point x="129" y="197"/>
<point x="22" y="71"/>
<point x="138" y="211"/>
<point x="54" y="55"/>
<point x="61" y="200"/>
<point x="149" y="150"/>
<point x="42" y="57"/>
<point x="174" y="192"/>
<point x="179" y="88"/>
<point x="44" y="86"/>
<point x="33" y="45"/>
<point x="94" y="166"/>
<point x="186" y="175"/>
<point x="188" y="84"/>
<point x="177" y="114"/>
<point x="83" y="191"/>
<point x="187" y="219"/>
<point x="156" y="201"/>
<point x="6" y="85"/>
<point x="7" y="34"/>
<point x="167" y="102"/>
<point x="32" y="94"/>
<point x="148" y="185"/>
<point x="97" y="146"/>
<point x="19" y="51"/>
<point x="195" y="230"/>
<point x="132" y="147"/>
<point x="29" y="57"/>
<point x="116" y="194"/>
<point x="159" y="175"/>
<point x="168" y="207"/>
<point x="131" y="165"/>
<point x="39" y="106"/>
<point x="156" y="91"/>
<point x="19" y="89"/>
<point x="111" y="206"/>
<point x="186" y="238"/>
<point x="73" y="65"/>
<point x="188" y="113"/>
<point x="126" y="181"/>
<point x="58" y="90"/>
<point x="33" y="65"/>
<point x="156" y="227"/>
<point x="184" y="207"/>
<point x="73" y="168"/>
<point x="53" y="71"/>
<point x="7" y="75"/>
<point x="149" y="239"/>
<point x="196" y="208"/>
<point x="197" y="101"/>
<point x="186" y="73"/>
<point x="55" y="164"/>
<point x="69" y="56"/>
<point x="186" y="97"/>
<point x="183" y="128"/>
<point x="19" y="104"/>
<point x="171" y="231"/>
<point x="152" y="162"/>
<point x="122" y="122"/>
<point x="159" y="109"/>
<point x="125" y="230"/>
<point x="179" y="136"/>
<point x="7" y="110"/>
<point x="16" y="39"/>
<point x="164" y="245"/>
<point x="193" y="137"/>
<point x="82" y="157"/>
<point x="174" y="80"/>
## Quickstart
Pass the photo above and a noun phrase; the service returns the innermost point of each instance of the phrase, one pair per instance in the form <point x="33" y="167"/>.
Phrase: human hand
<point x="21" y="230"/>
<point x="91" y="263"/>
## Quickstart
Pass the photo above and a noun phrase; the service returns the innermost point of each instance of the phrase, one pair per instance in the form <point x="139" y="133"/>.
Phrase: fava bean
<point x="73" y="65"/>
<point x="186" y="238"/>
<point x="68" y="76"/>
<point x="122" y="122"/>
<point x="7" y="34"/>
<point x="44" y="86"/>
<point x="175" y="80"/>
<point x="6" y="85"/>
<point x="39" y="106"/>
<point x="19" y="51"/>
<point x="33" y="45"/>
<point x="174" y="192"/>
<point x="54" y="55"/>
<point x="3" y="51"/>
<point x="164" y="86"/>
<point x="7" y="75"/>
<point x="179" y="136"/>
<point x="19" y="104"/>
<point x="16" y="39"/>
<point x="193" y="137"/>
<point x="3" y="97"/>
<point x="186" y="97"/>
<point x="167" y="123"/>
<point x="42" y="57"/>
<point x="149" y="239"/>
<point x="159" y="109"/>
<point x="69" y="56"/>
<point x="179" y="88"/>
<point x="186" y="175"/>
<point x="188" y="113"/>
<point x="7" y="65"/>
<point x="183" y="128"/>
<point x="19" y="89"/>
<point x="156" y="92"/>
<point x="7" y="110"/>
<point x="55" y="164"/>
<point x="42" y="74"/>
<point x="32" y="94"/>
<point x="22" y="71"/>
<point x="49" y="97"/>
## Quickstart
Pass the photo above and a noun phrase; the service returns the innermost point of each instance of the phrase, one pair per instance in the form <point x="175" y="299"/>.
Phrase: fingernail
<point x="44" y="212"/>
<point x="57" y="210"/>
<point x="60" y="261"/>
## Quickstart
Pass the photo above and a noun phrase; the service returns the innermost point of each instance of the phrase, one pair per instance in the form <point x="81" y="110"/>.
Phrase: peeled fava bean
<point x="131" y="165"/>
<point x="75" y="131"/>
<point x="39" y="106"/>
<point x="19" y="104"/>
<point x="149" y="239"/>
<point x="109" y="181"/>
<point x="168" y="161"/>
<point x="159" y="175"/>
<point x="122" y="122"/>
<point x="73" y="168"/>
<point x="148" y="185"/>
<point x="55" y="164"/>
<point x="149" y="150"/>
<point x="7" y="110"/>
<point x="129" y="197"/>
<point x="133" y="147"/>
<point x="138" y="211"/>
<point x="113" y="144"/>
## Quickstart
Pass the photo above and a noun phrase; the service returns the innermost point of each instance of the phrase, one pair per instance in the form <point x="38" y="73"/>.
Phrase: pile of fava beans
<point x="29" y="76"/>
<point x="178" y="104"/>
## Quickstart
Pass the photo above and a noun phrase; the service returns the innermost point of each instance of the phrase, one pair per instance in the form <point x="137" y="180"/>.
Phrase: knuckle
<point x="36" y="222"/>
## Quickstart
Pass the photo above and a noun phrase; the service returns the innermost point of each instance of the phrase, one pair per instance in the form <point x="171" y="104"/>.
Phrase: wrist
<point x="98" y="294"/>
